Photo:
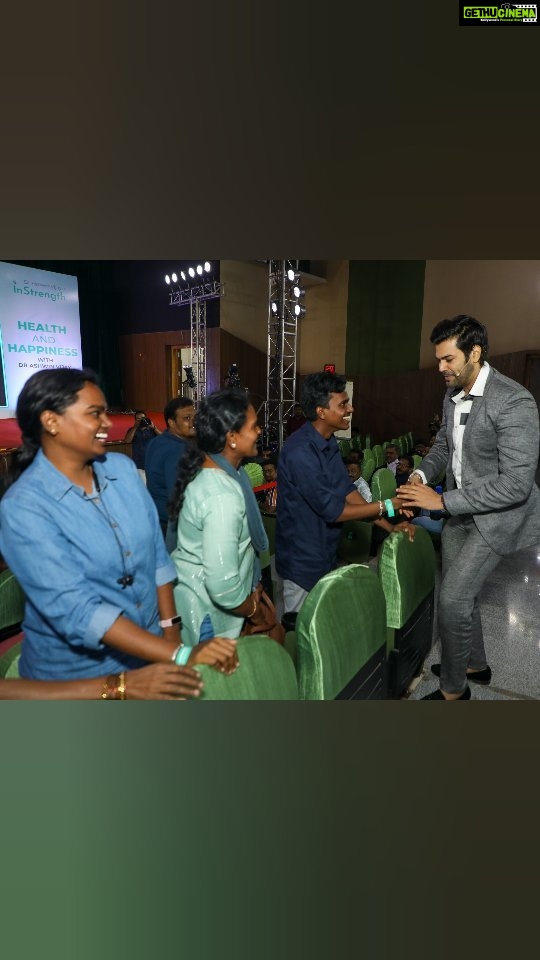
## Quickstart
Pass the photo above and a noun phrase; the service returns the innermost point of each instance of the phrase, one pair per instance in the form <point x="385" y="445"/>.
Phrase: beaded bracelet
<point x="381" y="508"/>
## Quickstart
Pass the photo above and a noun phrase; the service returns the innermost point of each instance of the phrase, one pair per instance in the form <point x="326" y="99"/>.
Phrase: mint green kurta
<point x="214" y="557"/>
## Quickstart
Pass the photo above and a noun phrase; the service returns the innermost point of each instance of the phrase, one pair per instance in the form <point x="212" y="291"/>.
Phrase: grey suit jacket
<point x="499" y="462"/>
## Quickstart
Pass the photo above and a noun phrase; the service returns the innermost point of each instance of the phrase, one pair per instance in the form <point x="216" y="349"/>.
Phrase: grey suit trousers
<point x="467" y="561"/>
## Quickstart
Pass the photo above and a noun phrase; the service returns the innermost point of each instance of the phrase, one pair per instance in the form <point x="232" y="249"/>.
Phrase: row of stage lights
<point x="298" y="291"/>
<point x="192" y="272"/>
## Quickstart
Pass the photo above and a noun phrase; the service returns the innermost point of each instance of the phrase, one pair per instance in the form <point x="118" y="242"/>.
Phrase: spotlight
<point x="299" y="291"/>
<point x="274" y="306"/>
<point x="291" y="275"/>
<point x="190" y="377"/>
<point x="167" y="278"/>
<point x="174" y="278"/>
<point x="191" y="272"/>
<point x="207" y="266"/>
<point x="299" y="310"/>
<point x="199" y="269"/>
<point x="182" y="274"/>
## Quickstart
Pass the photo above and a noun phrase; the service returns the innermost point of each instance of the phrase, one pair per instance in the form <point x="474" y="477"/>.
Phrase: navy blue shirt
<point x="313" y="485"/>
<point x="161" y="464"/>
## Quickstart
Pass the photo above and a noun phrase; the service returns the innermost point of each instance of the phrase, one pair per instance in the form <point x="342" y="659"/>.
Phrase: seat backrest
<point x="344" y="446"/>
<point x="269" y="523"/>
<point x="355" y="541"/>
<point x="368" y="466"/>
<point x="378" y="454"/>
<point x="383" y="484"/>
<point x="341" y="625"/>
<point x="407" y="574"/>
<point x="417" y="460"/>
<point x="11" y="600"/>
<point x="255" y="473"/>
<point x="10" y="660"/>
<point x="266" y="672"/>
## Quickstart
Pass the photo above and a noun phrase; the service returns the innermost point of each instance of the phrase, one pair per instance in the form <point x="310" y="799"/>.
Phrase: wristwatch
<point x="171" y="622"/>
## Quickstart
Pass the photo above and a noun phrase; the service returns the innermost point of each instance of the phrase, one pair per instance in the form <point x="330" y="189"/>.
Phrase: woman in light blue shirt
<point x="81" y="535"/>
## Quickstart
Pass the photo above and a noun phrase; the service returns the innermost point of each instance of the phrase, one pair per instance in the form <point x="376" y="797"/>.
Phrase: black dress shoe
<point x="437" y="695"/>
<point x="479" y="676"/>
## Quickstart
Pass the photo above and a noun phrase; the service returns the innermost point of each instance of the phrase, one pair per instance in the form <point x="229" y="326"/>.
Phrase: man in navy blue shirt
<point x="315" y="492"/>
<point x="164" y="452"/>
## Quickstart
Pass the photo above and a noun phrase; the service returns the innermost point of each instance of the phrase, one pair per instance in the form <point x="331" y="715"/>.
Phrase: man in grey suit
<point x="488" y="442"/>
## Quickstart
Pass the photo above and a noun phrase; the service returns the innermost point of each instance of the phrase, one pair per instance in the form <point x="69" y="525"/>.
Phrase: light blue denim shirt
<point x="68" y="549"/>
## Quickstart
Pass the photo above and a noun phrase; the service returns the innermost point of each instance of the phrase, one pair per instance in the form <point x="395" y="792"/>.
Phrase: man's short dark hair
<point x="408" y="457"/>
<point x="467" y="332"/>
<point x="178" y="403"/>
<point x="316" y="390"/>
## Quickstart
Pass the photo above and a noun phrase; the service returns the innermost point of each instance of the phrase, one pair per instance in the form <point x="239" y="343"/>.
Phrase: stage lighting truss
<point x="284" y="311"/>
<point x="196" y="294"/>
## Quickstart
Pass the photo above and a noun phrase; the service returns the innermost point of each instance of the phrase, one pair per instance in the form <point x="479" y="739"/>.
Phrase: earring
<point x="233" y="445"/>
<point x="53" y="433"/>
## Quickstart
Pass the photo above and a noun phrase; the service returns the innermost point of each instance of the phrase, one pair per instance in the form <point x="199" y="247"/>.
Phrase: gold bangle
<point x="249" y="615"/>
<point x="122" y="686"/>
<point x="110" y="687"/>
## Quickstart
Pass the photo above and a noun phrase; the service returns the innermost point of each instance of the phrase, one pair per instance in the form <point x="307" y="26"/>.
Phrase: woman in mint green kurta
<point x="220" y="531"/>
<point x="214" y="557"/>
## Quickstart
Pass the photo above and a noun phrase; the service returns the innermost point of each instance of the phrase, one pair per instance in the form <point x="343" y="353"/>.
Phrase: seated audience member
<point x="220" y="528"/>
<point x="434" y="424"/>
<point x="164" y="454"/>
<point x="354" y="469"/>
<point x="421" y="448"/>
<point x="270" y="475"/>
<point x="88" y="553"/>
<point x="430" y="520"/>
<point x="405" y="467"/>
<point x="391" y="456"/>
<point x="354" y="456"/>
<point x="140" y="435"/>
<point x="295" y="421"/>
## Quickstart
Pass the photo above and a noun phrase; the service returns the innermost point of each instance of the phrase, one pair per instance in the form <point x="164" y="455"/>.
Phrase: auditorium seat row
<point x="359" y="635"/>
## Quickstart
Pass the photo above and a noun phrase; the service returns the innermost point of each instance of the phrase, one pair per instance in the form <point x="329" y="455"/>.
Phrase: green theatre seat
<point x="383" y="484"/>
<point x="378" y="455"/>
<point x="354" y="541"/>
<point x="407" y="575"/>
<point x="11" y="604"/>
<point x="9" y="661"/>
<point x="368" y="466"/>
<point x="341" y="637"/>
<point x="266" y="672"/>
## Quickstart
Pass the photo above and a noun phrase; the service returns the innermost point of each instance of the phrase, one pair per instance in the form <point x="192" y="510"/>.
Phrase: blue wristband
<point x="182" y="656"/>
<point x="389" y="508"/>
